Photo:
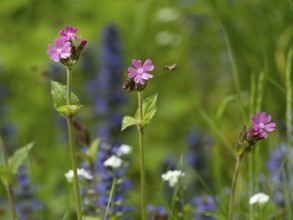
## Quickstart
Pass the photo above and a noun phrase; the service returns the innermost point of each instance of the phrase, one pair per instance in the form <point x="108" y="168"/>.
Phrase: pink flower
<point x="62" y="49"/>
<point x="261" y="125"/>
<point x="69" y="33"/>
<point x="140" y="74"/>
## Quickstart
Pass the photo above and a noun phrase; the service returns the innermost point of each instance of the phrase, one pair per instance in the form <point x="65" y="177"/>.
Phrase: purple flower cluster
<point x="64" y="46"/>
<point x="99" y="191"/>
<point x="27" y="206"/>
<point x="105" y="85"/>
<point x="159" y="213"/>
<point x="279" y="172"/>
<point x="7" y="129"/>
<point x="203" y="206"/>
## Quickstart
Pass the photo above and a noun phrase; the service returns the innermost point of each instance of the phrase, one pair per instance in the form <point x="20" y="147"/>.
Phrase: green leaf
<point x="6" y="175"/>
<point x="110" y="197"/>
<point x="68" y="110"/>
<point x="59" y="94"/>
<point x="91" y="218"/>
<point x="16" y="160"/>
<point x="129" y="121"/>
<point x="93" y="149"/>
<point x="84" y="156"/>
<point x="149" y="108"/>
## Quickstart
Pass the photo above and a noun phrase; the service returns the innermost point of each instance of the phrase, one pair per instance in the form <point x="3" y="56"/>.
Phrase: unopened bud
<point x="81" y="46"/>
<point x="253" y="136"/>
<point x="130" y="85"/>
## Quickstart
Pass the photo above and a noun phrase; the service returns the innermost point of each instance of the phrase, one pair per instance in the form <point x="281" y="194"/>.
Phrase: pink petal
<point x="148" y="66"/>
<point x="50" y="46"/>
<point x="141" y="81"/>
<point x="265" y="135"/>
<point x="62" y="33"/>
<point x="262" y="116"/>
<point x="270" y="127"/>
<point x="65" y="55"/>
<point x="131" y="75"/>
<point x="146" y="76"/>
<point x="55" y="57"/>
<point x="267" y="119"/>
<point x="137" y="63"/>
<point x="59" y="42"/>
<point x="254" y="119"/>
<point x="136" y="78"/>
<point x="51" y="50"/>
<point x="132" y="70"/>
<point x="255" y="127"/>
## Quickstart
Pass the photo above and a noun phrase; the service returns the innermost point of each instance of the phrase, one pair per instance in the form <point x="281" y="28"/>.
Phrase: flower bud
<point x="81" y="46"/>
<point x="253" y="136"/>
<point x="130" y="85"/>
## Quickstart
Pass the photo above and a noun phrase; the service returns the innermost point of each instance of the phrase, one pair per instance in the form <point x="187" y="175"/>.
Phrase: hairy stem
<point x="141" y="155"/>
<point x="72" y="149"/>
<point x="230" y="216"/>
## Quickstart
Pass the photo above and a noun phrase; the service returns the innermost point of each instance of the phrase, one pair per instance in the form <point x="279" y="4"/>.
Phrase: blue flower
<point x="203" y="205"/>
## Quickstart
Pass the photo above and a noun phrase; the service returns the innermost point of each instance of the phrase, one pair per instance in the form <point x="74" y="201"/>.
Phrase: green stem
<point x="141" y="154"/>
<point x="9" y="190"/>
<point x="72" y="149"/>
<point x="9" y="187"/>
<point x="233" y="188"/>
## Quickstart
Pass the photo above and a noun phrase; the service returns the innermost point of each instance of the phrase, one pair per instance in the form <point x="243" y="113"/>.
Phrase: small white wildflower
<point x="123" y="150"/>
<point x="172" y="176"/>
<point x="113" y="162"/>
<point x="259" y="198"/>
<point x="80" y="173"/>
<point x="168" y="14"/>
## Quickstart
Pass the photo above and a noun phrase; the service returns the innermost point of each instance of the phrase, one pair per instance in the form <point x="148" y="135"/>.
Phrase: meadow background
<point x="231" y="62"/>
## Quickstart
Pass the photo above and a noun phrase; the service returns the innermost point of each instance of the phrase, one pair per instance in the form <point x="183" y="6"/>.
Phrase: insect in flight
<point x="170" y="67"/>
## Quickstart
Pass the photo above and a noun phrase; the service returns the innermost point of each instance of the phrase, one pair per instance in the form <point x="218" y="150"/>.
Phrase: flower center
<point x="140" y="70"/>
<point x="261" y="125"/>
<point x="69" y="34"/>
<point x="59" y="50"/>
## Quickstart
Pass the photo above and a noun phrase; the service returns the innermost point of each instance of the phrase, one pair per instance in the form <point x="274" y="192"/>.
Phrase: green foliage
<point x="59" y="94"/>
<point x="90" y="155"/>
<point x="149" y="108"/>
<point x="110" y="197"/>
<point x="14" y="162"/>
<point x="129" y="121"/>
<point x="6" y="175"/>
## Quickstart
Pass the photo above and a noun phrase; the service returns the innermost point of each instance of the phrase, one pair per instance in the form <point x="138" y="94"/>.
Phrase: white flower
<point x="123" y="150"/>
<point x="172" y="176"/>
<point x="168" y="14"/>
<point x="113" y="162"/>
<point x="259" y="198"/>
<point x="80" y="173"/>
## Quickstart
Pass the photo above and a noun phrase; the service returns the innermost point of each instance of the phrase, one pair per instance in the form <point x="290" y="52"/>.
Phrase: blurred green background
<point x="222" y="48"/>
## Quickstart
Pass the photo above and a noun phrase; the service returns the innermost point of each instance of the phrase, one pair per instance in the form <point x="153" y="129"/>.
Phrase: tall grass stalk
<point x="69" y="120"/>
<point x="110" y="198"/>
<point x="256" y="151"/>
<point x="288" y="130"/>
<point x="141" y="155"/>
<point x="250" y="156"/>
<point x="235" y="73"/>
